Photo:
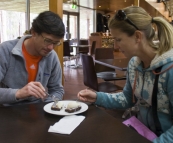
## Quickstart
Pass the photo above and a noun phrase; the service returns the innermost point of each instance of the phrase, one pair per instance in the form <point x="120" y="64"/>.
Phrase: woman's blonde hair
<point x="145" y="22"/>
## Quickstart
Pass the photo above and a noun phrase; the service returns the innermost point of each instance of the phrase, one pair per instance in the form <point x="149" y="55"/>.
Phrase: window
<point x="13" y="17"/>
<point x="86" y="18"/>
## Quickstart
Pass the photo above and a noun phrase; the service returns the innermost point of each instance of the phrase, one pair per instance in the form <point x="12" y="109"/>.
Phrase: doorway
<point x="71" y="22"/>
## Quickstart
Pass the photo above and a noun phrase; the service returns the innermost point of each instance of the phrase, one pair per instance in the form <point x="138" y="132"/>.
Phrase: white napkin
<point x="67" y="124"/>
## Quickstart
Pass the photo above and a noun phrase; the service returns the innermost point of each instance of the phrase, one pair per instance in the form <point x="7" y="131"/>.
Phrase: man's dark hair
<point x="50" y="23"/>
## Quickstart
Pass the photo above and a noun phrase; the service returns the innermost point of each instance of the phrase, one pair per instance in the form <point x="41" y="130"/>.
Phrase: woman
<point x="132" y="29"/>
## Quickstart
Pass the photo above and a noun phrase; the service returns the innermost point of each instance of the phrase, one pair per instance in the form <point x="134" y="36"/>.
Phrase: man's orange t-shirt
<point x="31" y="64"/>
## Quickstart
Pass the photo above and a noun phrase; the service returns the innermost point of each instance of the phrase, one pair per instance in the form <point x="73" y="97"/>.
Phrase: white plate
<point x="47" y="108"/>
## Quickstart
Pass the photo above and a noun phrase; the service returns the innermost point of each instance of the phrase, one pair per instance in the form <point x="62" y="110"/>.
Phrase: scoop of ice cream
<point x="73" y="104"/>
<point x="59" y="104"/>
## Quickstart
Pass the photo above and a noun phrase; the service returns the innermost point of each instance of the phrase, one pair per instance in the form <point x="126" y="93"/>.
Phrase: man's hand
<point x="31" y="89"/>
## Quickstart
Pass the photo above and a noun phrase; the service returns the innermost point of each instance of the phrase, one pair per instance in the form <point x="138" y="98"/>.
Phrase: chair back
<point x="93" y="46"/>
<point x="83" y="42"/>
<point x="83" y="49"/>
<point x="89" y="74"/>
<point x="66" y="49"/>
<point x="103" y="53"/>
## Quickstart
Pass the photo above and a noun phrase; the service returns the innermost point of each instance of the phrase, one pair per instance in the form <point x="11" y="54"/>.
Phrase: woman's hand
<point x="87" y="95"/>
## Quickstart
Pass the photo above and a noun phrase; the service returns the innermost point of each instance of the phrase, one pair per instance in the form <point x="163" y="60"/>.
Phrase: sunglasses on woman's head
<point x="121" y="15"/>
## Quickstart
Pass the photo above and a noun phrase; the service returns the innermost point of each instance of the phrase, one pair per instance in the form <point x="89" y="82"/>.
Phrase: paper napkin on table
<point x="67" y="124"/>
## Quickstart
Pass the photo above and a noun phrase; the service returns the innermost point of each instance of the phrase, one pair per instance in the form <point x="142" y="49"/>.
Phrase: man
<point x="29" y="66"/>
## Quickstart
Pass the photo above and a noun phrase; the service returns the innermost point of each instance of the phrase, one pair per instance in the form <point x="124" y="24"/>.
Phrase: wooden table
<point x="117" y="64"/>
<point x="30" y="124"/>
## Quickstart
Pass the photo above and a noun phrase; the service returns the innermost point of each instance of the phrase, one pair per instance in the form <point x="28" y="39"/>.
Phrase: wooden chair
<point x="93" y="46"/>
<point x="90" y="78"/>
<point x="104" y="72"/>
<point x="83" y="50"/>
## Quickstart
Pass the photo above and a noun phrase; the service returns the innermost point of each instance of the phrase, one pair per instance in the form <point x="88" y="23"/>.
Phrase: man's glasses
<point x="48" y="42"/>
<point x="121" y="15"/>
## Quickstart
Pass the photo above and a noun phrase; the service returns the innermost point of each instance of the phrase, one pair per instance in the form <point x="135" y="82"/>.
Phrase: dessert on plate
<point x="57" y="106"/>
<point x="73" y="106"/>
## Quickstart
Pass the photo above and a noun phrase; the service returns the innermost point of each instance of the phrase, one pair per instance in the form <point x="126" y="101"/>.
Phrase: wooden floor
<point x="73" y="83"/>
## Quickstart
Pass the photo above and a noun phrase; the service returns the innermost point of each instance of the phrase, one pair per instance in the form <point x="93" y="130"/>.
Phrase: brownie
<point x="71" y="110"/>
<point x="55" y="107"/>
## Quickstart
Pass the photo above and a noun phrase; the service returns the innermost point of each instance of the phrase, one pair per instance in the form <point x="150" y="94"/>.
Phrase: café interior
<point x="87" y="33"/>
